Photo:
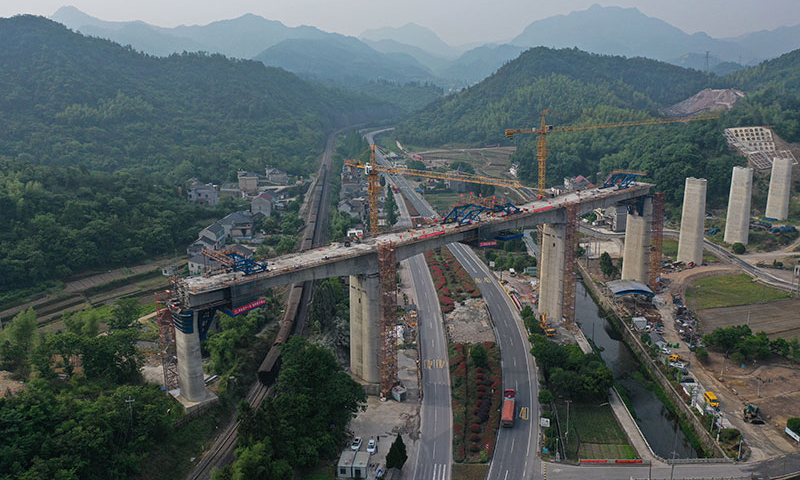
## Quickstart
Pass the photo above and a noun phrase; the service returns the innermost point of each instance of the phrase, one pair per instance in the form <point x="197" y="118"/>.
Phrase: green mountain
<point x="478" y="63"/>
<point x="567" y="82"/>
<point x="582" y="88"/>
<point x="73" y="99"/>
<point x="96" y="139"/>
<point x="345" y="60"/>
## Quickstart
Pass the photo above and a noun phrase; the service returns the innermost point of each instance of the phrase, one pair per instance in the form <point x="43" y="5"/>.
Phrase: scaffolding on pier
<point x="570" y="264"/>
<point x="387" y="268"/>
<point x="656" y="239"/>
<point x="166" y="340"/>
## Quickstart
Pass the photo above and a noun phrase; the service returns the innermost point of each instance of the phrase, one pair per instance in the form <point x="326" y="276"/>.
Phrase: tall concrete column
<point x="636" y="256"/>
<point x="356" y="322"/>
<point x="551" y="272"/>
<point x="371" y="328"/>
<point x="737" y="223"/>
<point x="780" y="189"/>
<point x="190" y="361"/>
<point x="693" y="215"/>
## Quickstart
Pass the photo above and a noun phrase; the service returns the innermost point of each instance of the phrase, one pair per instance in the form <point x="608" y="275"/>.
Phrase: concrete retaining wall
<point x="656" y="374"/>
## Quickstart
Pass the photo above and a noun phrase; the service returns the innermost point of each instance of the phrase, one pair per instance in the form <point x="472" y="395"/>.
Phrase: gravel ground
<point x="469" y="323"/>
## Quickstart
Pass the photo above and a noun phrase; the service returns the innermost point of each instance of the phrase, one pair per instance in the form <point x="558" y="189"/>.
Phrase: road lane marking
<point x="477" y="280"/>
<point x="486" y="279"/>
<point x="524" y="413"/>
<point x="506" y="476"/>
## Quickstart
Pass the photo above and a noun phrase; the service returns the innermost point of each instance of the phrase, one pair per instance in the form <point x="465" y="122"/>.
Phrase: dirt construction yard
<point x="773" y="386"/>
<point x="780" y="318"/>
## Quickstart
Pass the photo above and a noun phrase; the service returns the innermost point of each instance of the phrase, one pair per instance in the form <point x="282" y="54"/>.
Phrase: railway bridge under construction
<point x="195" y="300"/>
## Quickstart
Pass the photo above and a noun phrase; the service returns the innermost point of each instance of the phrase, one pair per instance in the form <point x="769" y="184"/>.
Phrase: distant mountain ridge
<point x="100" y="99"/>
<point x="346" y="60"/>
<point x="414" y="35"/>
<point x="628" y="32"/>
<point x="242" y="37"/>
<point x="606" y="30"/>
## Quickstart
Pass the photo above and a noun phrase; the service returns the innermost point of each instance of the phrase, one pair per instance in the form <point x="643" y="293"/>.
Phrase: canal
<point x="658" y="424"/>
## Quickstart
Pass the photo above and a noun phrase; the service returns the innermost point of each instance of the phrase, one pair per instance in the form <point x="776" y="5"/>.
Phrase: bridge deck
<point x="337" y="252"/>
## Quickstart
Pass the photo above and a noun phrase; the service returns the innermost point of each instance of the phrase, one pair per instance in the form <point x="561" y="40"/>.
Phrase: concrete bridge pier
<point x="636" y="256"/>
<point x="365" y="328"/>
<point x="192" y="392"/>
<point x="551" y="272"/>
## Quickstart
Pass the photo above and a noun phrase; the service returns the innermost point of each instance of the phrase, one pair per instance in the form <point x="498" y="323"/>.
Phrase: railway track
<point x="221" y="452"/>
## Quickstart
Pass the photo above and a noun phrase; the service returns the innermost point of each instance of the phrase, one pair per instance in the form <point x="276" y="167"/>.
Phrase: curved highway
<point x="515" y="451"/>
<point x="435" y="455"/>
<point x="515" y="454"/>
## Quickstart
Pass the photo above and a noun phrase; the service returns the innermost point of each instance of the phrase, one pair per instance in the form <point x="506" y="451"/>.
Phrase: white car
<point x="679" y="365"/>
<point x="356" y="445"/>
<point x="372" y="446"/>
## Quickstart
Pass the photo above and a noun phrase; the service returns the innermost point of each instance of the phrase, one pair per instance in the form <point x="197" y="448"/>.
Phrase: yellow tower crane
<point x="372" y="170"/>
<point x="544" y="129"/>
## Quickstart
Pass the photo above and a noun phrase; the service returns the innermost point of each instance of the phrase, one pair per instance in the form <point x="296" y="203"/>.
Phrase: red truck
<point x="507" y="420"/>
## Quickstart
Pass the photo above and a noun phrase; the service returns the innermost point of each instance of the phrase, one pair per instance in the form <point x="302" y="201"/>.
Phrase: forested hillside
<point x="95" y="140"/>
<point x="70" y="99"/>
<point x="566" y="82"/>
<point x="581" y="88"/>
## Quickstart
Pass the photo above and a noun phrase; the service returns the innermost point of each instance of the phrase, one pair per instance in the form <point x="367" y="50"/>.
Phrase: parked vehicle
<point x="356" y="445"/>
<point x="372" y="446"/>
<point x="711" y="399"/>
<point x="507" y="419"/>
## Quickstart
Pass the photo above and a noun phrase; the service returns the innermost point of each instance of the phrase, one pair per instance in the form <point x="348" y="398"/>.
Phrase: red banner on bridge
<point x="488" y="243"/>
<point x="250" y="306"/>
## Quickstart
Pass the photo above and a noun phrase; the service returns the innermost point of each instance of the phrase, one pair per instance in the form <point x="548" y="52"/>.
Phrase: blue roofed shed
<point x="629" y="287"/>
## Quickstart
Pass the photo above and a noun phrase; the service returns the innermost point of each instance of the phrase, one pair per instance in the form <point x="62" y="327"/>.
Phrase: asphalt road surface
<point x="435" y="455"/>
<point x="515" y="450"/>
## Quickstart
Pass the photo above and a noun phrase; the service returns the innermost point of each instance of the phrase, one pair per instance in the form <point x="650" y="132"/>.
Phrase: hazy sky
<point x="457" y="22"/>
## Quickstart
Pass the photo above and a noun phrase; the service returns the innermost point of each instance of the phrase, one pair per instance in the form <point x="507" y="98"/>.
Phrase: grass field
<point x="729" y="291"/>
<point x="443" y="202"/>
<point x="594" y="432"/>
<point x="669" y="249"/>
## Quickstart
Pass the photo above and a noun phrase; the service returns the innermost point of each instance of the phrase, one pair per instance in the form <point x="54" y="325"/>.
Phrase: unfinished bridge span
<point x="194" y="300"/>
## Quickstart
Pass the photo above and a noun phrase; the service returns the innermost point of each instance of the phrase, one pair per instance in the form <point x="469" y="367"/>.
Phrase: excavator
<point x="752" y="414"/>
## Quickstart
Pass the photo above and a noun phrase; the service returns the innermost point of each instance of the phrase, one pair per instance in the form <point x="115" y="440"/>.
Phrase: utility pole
<point x="566" y="435"/>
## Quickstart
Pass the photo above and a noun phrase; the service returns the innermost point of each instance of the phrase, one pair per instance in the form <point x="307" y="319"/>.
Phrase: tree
<point x="478" y="355"/>
<point x="391" y="208"/>
<point x="124" y="313"/>
<point x="702" y="354"/>
<point x="738" y="248"/>
<point x="607" y="265"/>
<point x="545" y="396"/>
<point x="17" y="342"/>
<point x="566" y="383"/>
<point x="397" y="455"/>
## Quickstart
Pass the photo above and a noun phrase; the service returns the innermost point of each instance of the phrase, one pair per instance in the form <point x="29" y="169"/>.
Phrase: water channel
<point x="658" y="425"/>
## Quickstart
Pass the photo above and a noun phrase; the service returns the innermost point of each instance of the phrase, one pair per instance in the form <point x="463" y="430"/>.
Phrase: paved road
<point x="515" y="451"/>
<point x="760" y="273"/>
<point x="435" y="455"/>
